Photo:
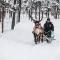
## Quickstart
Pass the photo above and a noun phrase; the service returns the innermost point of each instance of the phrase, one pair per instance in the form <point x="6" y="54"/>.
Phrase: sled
<point x="49" y="39"/>
<point x="43" y="38"/>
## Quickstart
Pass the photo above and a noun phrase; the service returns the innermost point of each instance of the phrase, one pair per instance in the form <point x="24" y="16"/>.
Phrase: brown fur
<point x="39" y="31"/>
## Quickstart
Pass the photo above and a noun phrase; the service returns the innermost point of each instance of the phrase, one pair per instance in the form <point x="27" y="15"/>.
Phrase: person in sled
<point x="38" y="32"/>
<point x="48" y="28"/>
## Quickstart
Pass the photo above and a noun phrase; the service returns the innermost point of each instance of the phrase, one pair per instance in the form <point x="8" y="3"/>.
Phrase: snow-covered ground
<point x="18" y="44"/>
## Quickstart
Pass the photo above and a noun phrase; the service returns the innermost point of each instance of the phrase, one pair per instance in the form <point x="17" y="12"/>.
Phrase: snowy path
<point x="19" y="45"/>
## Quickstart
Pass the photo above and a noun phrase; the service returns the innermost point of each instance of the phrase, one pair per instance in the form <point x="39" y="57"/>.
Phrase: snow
<point x="18" y="44"/>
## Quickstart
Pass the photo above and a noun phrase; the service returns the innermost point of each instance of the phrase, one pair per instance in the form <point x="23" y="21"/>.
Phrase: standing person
<point x="48" y="28"/>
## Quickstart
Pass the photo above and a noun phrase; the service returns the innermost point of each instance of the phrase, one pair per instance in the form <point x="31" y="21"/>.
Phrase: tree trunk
<point x="39" y="13"/>
<point x="18" y="16"/>
<point x="42" y="14"/>
<point x="31" y="14"/>
<point x="0" y="14"/>
<point x="19" y="11"/>
<point x="3" y="15"/>
<point x="36" y="12"/>
<point x="48" y="13"/>
<point x="13" y="19"/>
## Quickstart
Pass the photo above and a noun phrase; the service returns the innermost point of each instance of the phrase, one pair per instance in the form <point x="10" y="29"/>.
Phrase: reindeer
<point x="38" y="32"/>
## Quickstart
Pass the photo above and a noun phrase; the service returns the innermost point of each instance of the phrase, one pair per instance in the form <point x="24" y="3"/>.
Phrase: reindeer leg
<point x="42" y="37"/>
<point x="39" y="38"/>
<point x="35" y="40"/>
<point x="35" y="37"/>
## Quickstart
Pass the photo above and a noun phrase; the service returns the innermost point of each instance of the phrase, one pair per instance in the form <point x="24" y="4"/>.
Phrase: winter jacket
<point x="48" y="26"/>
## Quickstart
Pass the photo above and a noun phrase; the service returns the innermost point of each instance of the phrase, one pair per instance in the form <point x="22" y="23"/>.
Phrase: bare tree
<point x="19" y="11"/>
<point x="3" y="15"/>
<point x="13" y="19"/>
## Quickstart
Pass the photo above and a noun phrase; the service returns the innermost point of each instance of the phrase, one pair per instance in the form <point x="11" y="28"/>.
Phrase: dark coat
<point x="48" y="26"/>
